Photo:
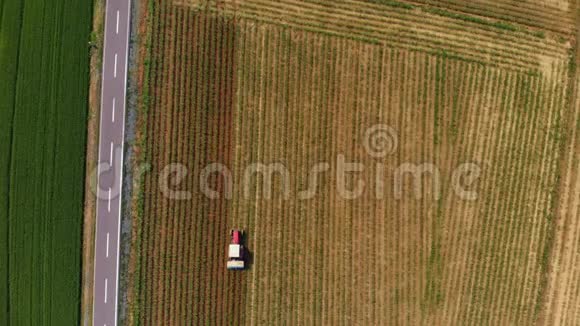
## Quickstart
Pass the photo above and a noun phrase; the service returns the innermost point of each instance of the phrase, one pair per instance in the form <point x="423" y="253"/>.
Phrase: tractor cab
<point x="236" y="251"/>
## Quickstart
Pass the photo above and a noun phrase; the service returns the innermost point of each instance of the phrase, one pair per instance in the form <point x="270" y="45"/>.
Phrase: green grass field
<point x="43" y="112"/>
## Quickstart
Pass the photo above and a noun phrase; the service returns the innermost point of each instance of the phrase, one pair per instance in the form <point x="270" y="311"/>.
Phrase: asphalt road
<point x="110" y="173"/>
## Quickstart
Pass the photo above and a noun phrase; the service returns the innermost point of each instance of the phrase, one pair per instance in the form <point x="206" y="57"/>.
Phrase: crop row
<point x="283" y="105"/>
<point x="182" y="241"/>
<point x="406" y="29"/>
<point x="535" y="14"/>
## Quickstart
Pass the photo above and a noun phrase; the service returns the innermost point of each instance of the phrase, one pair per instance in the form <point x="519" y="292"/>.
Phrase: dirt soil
<point x="182" y="268"/>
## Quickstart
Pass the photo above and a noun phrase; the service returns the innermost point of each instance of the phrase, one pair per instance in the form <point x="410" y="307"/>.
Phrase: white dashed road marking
<point x="107" y="250"/>
<point x="113" y="113"/>
<point x="115" y="71"/>
<point x="106" y="288"/>
<point x="109" y="207"/>
<point x="111" y="155"/>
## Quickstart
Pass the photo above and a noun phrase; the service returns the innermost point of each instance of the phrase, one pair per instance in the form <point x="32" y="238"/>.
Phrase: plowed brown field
<point x="298" y="83"/>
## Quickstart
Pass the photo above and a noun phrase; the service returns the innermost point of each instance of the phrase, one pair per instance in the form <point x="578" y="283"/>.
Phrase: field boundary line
<point x="548" y="303"/>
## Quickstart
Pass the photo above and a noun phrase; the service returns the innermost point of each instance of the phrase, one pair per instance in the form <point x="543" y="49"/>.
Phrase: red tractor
<point x="236" y="251"/>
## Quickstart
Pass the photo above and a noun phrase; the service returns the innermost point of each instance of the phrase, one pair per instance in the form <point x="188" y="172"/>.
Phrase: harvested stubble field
<point x="299" y="83"/>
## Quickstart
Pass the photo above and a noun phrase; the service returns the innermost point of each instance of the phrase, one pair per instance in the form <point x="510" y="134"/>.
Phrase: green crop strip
<point x="394" y="4"/>
<point x="43" y="113"/>
<point x="471" y="19"/>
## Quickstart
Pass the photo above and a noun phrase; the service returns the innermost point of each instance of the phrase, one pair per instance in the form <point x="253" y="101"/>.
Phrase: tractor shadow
<point x="249" y="258"/>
